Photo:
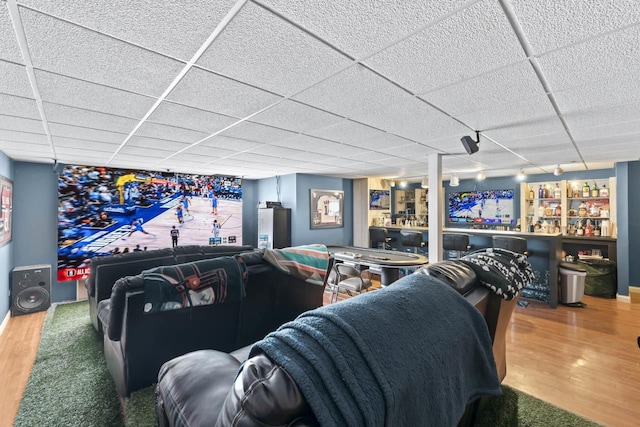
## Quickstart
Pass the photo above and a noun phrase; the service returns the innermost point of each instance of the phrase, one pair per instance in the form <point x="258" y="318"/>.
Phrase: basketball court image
<point x="485" y="207"/>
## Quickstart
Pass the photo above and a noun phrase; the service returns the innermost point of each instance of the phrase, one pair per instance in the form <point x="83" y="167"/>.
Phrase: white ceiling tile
<point x="603" y="131"/>
<point x="275" y="151"/>
<point x="353" y="92"/>
<point x="32" y="147"/>
<point x="258" y="133"/>
<point x="227" y="144"/>
<point x="80" y="145"/>
<point x="413" y="119"/>
<point x="172" y="114"/>
<point x="9" y="49"/>
<point x="89" y="153"/>
<point x="610" y="55"/>
<point x="549" y="24"/>
<point x="346" y="131"/>
<point x="513" y="114"/>
<point x="611" y="139"/>
<point x="296" y="117"/>
<point x="603" y="116"/>
<point x="189" y="158"/>
<point x="14" y="80"/>
<point x="500" y="87"/>
<point x="156" y="144"/>
<point x="539" y="126"/>
<point x="432" y="58"/>
<point x="174" y="28"/>
<point x="144" y="152"/>
<point x="85" y="133"/>
<point x="154" y="130"/>
<point x="63" y="90"/>
<point x="384" y="142"/>
<point x="263" y="50"/>
<point x="78" y="117"/>
<point x="20" y="137"/>
<point x="536" y="143"/>
<point x="18" y="106"/>
<point x="68" y="49"/>
<point x="358" y="27"/>
<point x="21" y="125"/>
<point x="212" y="92"/>
<point x="601" y="94"/>
<point x="305" y="143"/>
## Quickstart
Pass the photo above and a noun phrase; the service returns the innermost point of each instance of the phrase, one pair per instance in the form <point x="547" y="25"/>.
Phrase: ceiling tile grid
<point x="258" y="133"/>
<point x="603" y="116"/>
<point x="87" y="134"/>
<point x="263" y="50"/>
<point x="68" y="49"/>
<point x="156" y="144"/>
<point x="224" y="144"/>
<point x="175" y="28"/>
<point x="16" y="138"/>
<point x="154" y="130"/>
<point x="81" y="145"/>
<point x="346" y="131"/>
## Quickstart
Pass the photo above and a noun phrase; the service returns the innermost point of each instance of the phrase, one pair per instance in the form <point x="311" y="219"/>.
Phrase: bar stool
<point x="512" y="243"/>
<point x="412" y="239"/>
<point x="380" y="235"/>
<point x="456" y="242"/>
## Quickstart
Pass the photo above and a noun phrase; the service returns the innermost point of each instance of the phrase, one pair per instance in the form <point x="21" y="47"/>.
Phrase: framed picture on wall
<point x="327" y="208"/>
<point x="379" y="200"/>
<point x="6" y="190"/>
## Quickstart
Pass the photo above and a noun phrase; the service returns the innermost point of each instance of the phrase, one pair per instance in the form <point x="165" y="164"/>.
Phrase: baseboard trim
<point x="623" y="298"/>
<point x="5" y="321"/>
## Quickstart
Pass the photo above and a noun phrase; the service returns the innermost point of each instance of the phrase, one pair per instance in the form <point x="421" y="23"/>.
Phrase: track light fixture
<point x="424" y="183"/>
<point x="520" y="175"/>
<point x="393" y="183"/>
<point x="558" y="171"/>
<point x="454" y="181"/>
<point x="469" y="144"/>
<point x="481" y="175"/>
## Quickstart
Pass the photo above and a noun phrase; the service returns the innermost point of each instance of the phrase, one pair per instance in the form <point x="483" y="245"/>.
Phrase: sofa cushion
<point x="192" y="388"/>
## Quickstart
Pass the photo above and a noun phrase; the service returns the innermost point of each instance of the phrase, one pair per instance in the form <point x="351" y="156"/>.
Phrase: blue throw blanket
<point x="414" y="353"/>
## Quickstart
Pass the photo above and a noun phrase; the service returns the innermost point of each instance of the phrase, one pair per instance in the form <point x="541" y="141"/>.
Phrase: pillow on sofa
<point x="204" y="282"/>
<point x="307" y="262"/>
<point x="505" y="272"/>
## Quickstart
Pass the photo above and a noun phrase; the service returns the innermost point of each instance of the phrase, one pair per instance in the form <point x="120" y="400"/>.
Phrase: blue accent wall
<point x="35" y="213"/>
<point x="628" y="206"/>
<point x="6" y="251"/>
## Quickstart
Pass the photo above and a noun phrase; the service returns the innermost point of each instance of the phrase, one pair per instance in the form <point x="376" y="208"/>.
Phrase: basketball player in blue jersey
<point x="136" y="225"/>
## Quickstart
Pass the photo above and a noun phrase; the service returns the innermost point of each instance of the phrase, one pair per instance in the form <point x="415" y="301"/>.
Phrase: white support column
<point x="435" y="208"/>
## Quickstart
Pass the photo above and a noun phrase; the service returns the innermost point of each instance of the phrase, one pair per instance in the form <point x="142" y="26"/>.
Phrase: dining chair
<point x="348" y="279"/>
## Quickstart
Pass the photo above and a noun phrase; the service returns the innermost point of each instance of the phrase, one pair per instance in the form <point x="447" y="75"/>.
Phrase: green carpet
<point x="70" y="386"/>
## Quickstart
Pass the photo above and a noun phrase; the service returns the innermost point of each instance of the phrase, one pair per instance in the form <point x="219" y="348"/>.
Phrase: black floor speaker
<point x="30" y="289"/>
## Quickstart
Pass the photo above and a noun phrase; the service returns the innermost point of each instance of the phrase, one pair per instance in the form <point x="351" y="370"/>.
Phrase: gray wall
<point x="6" y="251"/>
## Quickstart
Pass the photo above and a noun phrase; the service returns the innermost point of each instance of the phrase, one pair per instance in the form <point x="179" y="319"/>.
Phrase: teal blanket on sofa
<point x="414" y="353"/>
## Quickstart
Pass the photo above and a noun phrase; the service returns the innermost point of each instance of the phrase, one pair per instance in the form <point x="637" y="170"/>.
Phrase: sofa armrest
<point x="265" y="394"/>
<point x="118" y="303"/>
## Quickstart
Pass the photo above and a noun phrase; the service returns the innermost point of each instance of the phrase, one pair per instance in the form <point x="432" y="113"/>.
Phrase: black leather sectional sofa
<point x="228" y="388"/>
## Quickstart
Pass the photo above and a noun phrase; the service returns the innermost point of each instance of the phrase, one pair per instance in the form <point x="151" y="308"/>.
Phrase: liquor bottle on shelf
<point x="597" y="231"/>
<point x="576" y="192"/>
<point x="586" y="191"/>
<point x="540" y="192"/>
<point x="604" y="191"/>
<point x="557" y="193"/>
<point x="569" y="190"/>
<point x="588" y="229"/>
<point x="579" y="229"/>
<point x="541" y="210"/>
<point x="595" y="191"/>
<point x="532" y="194"/>
<point x="558" y="210"/>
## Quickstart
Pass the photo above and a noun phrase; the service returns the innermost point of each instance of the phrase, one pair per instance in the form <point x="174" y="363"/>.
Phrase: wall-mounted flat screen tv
<point x="379" y="200"/>
<point x="493" y="207"/>
<point x="103" y="211"/>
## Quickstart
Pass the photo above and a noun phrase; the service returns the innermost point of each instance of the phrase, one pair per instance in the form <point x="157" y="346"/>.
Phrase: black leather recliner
<point x="137" y="344"/>
<point x="211" y="387"/>
<point x="105" y="270"/>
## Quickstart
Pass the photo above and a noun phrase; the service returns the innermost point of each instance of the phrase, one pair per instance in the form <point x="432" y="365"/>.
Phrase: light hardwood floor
<point x="585" y="360"/>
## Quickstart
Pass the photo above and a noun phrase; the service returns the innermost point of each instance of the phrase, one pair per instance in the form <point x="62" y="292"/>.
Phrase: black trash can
<point x="572" y="282"/>
<point x="602" y="279"/>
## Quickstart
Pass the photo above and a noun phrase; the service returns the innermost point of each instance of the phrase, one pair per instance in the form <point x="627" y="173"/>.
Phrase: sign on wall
<point x="6" y="192"/>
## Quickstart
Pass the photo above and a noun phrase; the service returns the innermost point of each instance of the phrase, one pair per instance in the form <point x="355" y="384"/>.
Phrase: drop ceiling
<point x="340" y="88"/>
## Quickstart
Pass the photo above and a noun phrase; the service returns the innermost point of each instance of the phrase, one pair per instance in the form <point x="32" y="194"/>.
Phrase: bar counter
<point x="545" y="250"/>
